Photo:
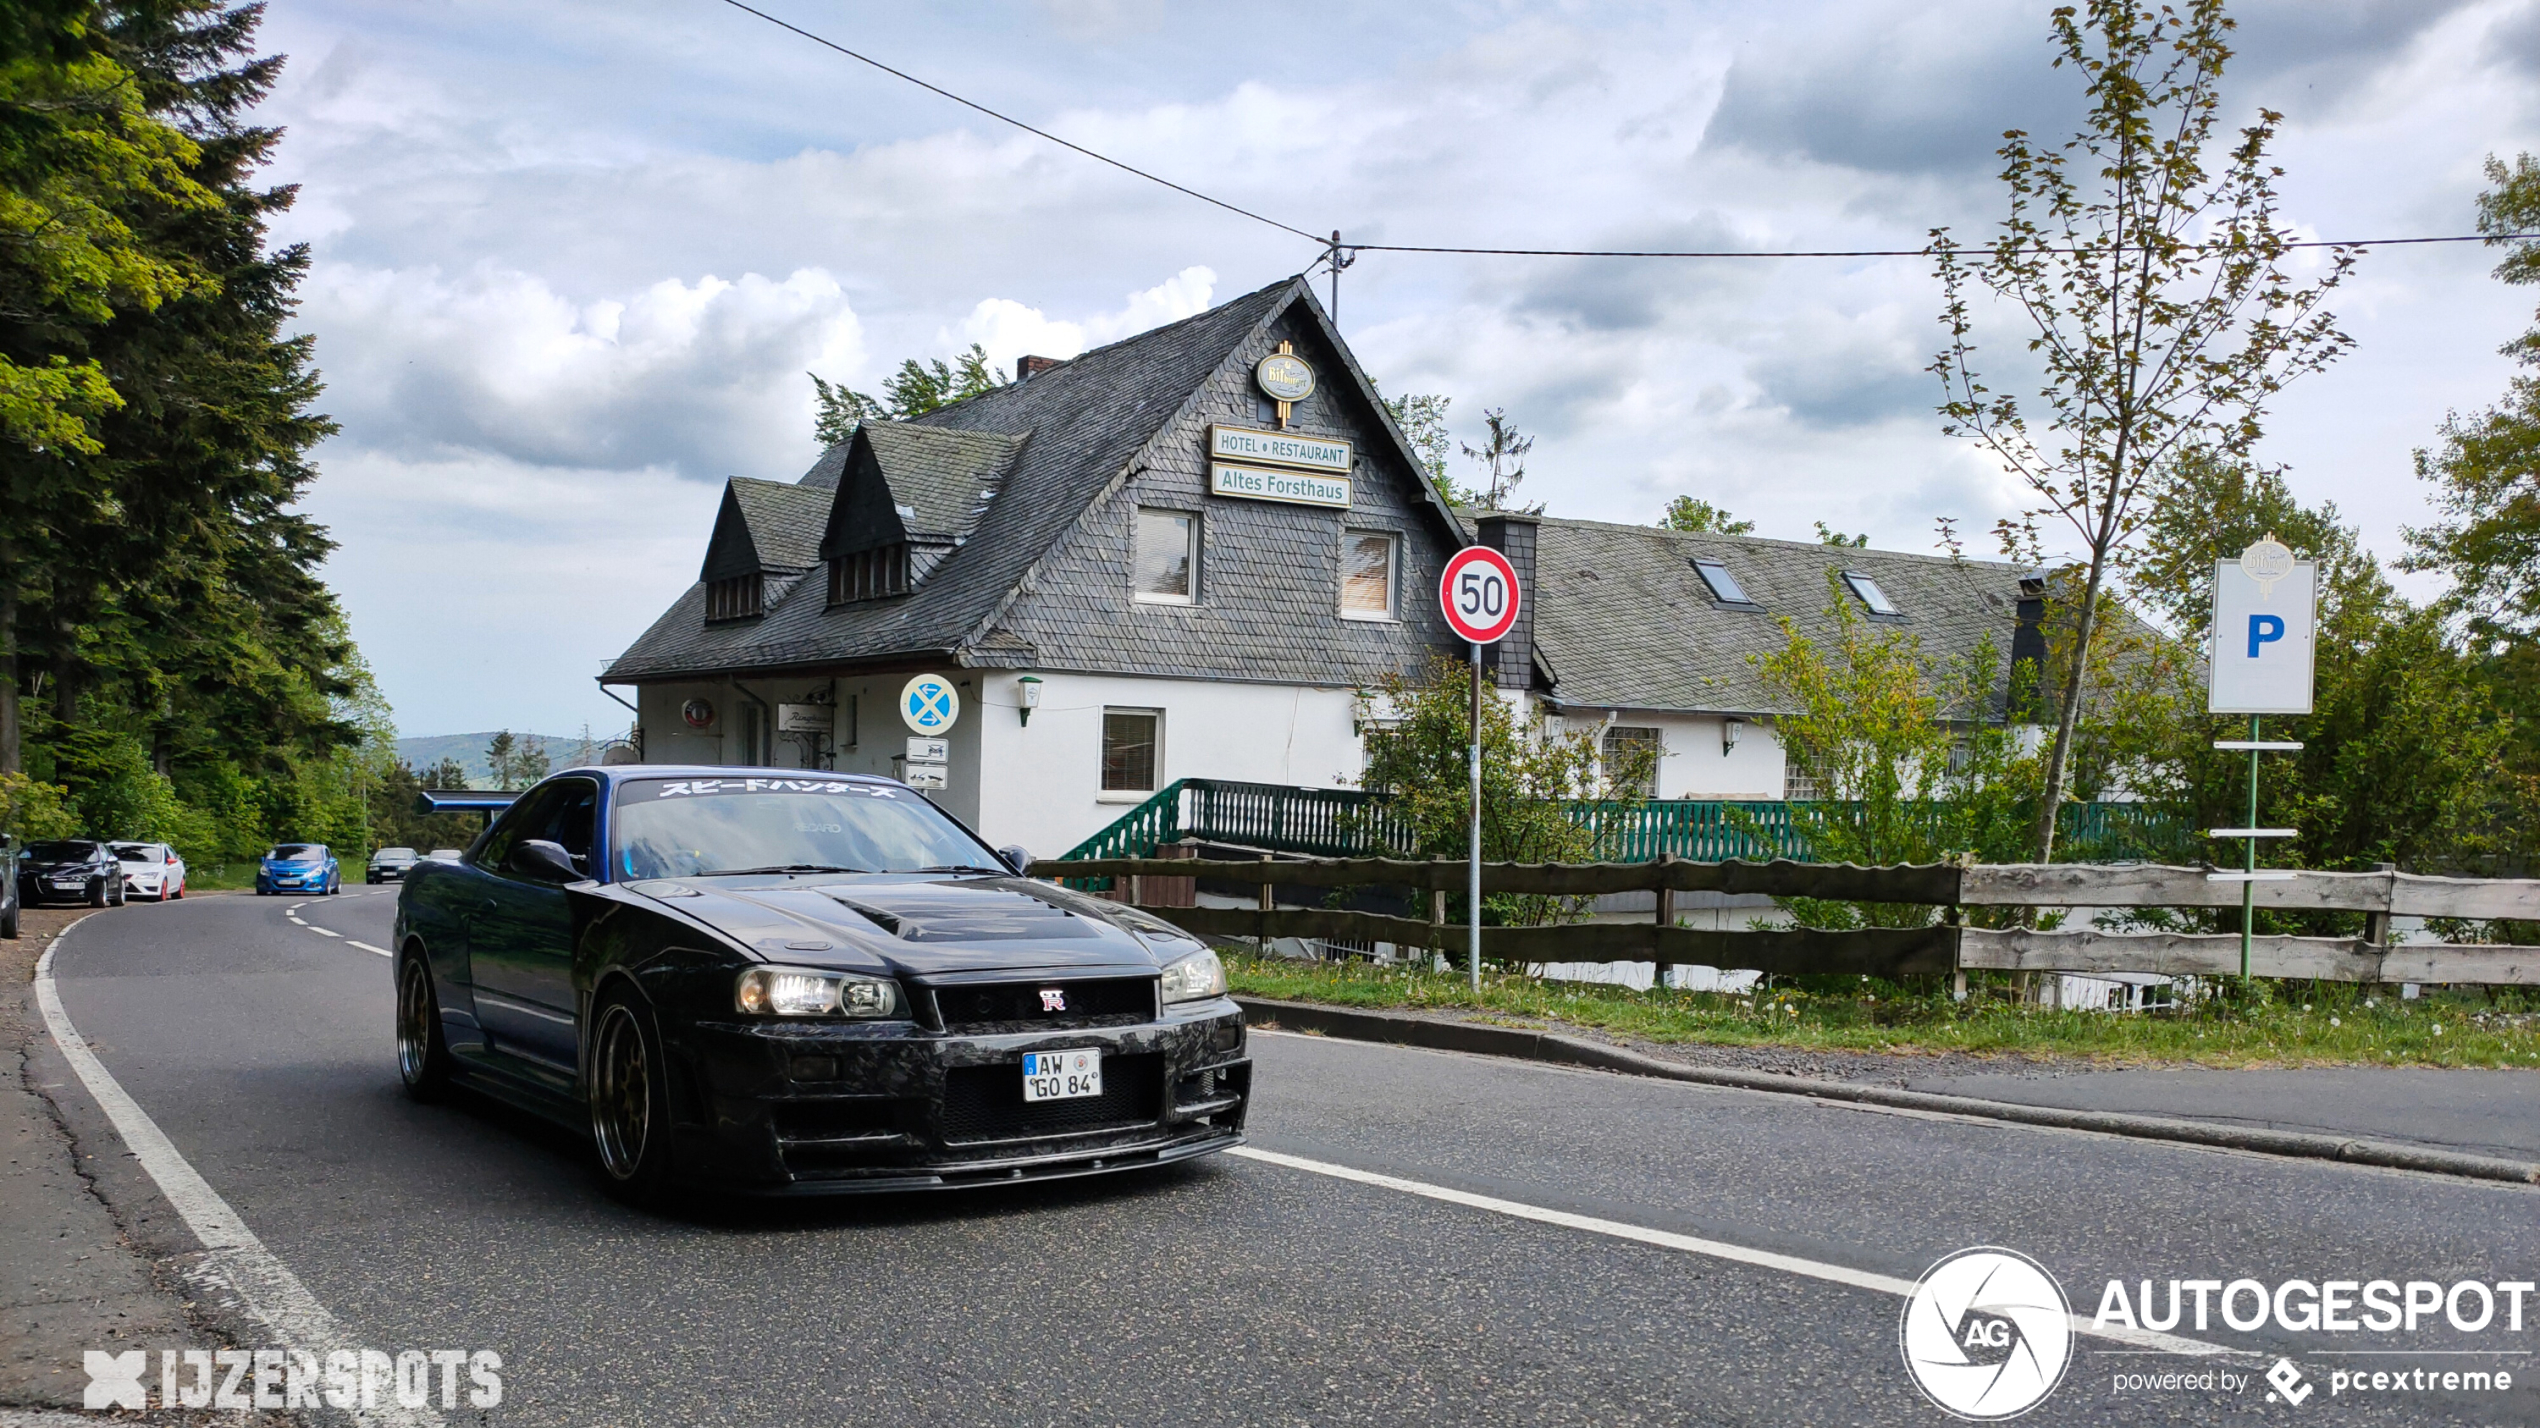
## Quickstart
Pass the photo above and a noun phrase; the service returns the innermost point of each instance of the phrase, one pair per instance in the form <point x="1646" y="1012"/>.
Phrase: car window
<point x="688" y="827"/>
<point x="297" y="852"/>
<point x="138" y="852"/>
<point x="61" y="851"/>
<point x="393" y="854"/>
<point x="575" y="818"/>
<point x="533" y="810"/>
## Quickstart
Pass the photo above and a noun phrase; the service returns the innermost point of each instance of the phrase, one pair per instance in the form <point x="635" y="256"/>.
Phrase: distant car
<point x="444" y="855"/>
<point x="299" y="867"/>
<point x="8" y="886"/>
<point x="151" y="870"/>
<point x="70" y="870"/>
<point x="390" y="865"/>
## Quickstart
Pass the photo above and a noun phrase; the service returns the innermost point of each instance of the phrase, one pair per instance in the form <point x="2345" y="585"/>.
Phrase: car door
<point x="520" y="942"/>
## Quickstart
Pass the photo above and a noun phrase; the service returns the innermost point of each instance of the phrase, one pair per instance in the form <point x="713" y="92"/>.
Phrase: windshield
<point x="396" y="855"/>
<point x="689" y="827"/>
<point x="297" y="852"/>
<point x="61" y="851"/>
<point x="137" y="852"/>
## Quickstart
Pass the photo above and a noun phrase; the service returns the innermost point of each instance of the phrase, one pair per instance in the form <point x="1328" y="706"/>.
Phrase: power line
<point x="1340" y="254"/>
<point x="1026" y="128"/>
<point x="1881" y="252"/>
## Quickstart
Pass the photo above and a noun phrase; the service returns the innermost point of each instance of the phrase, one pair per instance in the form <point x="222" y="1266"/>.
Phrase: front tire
<point x="629" y="1093"/>
<point x="423" y="1057"/>
<point x="97" y="894"/>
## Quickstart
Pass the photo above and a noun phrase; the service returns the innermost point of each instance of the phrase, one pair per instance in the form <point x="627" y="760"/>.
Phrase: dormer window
<point x="1724" y="587"/>
<point x="1870" y="594"/>
<point x="738" y="597"/>
<point x="869" y="574"/>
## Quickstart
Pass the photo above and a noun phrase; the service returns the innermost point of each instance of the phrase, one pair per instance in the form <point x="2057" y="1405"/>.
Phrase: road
<point x="1235" y="1290"/>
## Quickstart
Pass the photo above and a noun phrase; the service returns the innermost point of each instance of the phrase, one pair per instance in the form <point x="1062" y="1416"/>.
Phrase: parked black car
<point x="70" y="870"/>
<point x="793" y="982"/>
<point x="390" y="864"/>
<point x="8" y="886"/>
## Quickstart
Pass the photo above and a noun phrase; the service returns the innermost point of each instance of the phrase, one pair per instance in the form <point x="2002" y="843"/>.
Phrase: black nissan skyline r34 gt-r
<point x="789" y="981"/>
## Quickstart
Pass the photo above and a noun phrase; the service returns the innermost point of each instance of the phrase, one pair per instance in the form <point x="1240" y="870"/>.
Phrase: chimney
<point x="1512" y="660"/>
<point x="2028" y="646"/>
<point x="1026" y="367"/>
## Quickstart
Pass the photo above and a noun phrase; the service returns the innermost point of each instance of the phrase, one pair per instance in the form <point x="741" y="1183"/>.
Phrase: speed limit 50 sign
<point x="1478" y="592"/>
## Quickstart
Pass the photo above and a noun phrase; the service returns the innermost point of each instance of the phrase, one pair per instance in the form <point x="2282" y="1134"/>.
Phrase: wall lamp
<point x="1728" y="735"/>
<point x="1027" y="696"/>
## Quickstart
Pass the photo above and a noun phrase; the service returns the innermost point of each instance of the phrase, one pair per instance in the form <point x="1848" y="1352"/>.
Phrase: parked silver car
<point x="151" y="870"/>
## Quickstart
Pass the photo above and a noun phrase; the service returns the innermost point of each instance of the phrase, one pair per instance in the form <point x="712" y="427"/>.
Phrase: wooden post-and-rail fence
<point x="1880" y="952"/>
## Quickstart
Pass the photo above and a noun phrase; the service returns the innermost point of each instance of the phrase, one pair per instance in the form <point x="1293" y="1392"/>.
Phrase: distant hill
<point x="563" y="751"/>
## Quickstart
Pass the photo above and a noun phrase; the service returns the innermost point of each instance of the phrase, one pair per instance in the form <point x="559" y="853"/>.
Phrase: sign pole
<point x="1478" y="595"/>
<point x="2249" y="889"/>
<point x="1473" y="880"/>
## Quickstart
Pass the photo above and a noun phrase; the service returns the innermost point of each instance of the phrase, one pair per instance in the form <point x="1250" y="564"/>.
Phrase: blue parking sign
<point x="929" y="704"/>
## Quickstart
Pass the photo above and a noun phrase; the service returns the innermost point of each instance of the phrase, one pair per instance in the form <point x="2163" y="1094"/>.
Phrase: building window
<point x="1870" y="593"/>
<point x="1724" y="586"/>
<point x="1168" y="556"/>
<point x="869" y="574"/>
<point x="1800" y="783"/>
<point x="1129" y="746"/>
<point x="1367" y="560"/>
<point x="735" y="598"/>
<point x="1632" y="754"/>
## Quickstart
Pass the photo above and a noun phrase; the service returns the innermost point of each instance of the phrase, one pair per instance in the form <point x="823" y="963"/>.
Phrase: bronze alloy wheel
<point x="422" y="1061"/>
<point x="621" y="1092"/>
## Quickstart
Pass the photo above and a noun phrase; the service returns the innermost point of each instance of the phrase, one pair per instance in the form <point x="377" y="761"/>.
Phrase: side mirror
<point x="1016" y="859"/>
<point x="544" y="861"/>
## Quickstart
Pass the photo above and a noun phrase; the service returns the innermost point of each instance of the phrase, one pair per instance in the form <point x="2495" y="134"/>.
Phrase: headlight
<point x="793" y="991"/>
<point x="1194" y="978"/>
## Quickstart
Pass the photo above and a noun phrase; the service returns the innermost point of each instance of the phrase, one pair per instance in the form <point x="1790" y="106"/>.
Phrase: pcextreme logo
<point x="1987" y="1334"/>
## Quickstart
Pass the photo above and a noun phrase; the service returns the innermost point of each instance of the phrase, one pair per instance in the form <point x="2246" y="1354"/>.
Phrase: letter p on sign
<point x="2262" y="646"/>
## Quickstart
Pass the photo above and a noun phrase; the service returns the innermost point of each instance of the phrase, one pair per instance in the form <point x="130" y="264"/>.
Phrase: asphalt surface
<point x="1234" y="1290"/>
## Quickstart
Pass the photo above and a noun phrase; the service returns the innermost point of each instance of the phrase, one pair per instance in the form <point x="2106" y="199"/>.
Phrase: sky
<point x="573" y="261"/>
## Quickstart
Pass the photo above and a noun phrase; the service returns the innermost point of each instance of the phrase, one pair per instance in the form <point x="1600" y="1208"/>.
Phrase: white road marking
<point x="1689" y="1244"/>
<point x="322" y="932"/>
<point x="233" y="1257"/>
<point x="382" y="951"/>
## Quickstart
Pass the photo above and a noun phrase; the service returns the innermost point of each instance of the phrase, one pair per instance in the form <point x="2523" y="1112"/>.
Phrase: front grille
<point x="1017" y="1006"/>
<point x="986" y="1102"/>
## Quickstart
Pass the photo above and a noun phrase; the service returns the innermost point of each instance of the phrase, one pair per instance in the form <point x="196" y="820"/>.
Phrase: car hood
<point x="79" y="865"/>
<point x="922" y="926"/>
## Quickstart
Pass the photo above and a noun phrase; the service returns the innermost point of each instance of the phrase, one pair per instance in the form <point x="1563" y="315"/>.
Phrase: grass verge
<point x="2279" y="1024"/>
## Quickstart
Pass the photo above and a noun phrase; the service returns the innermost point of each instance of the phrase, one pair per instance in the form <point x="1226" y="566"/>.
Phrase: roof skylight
<point x="1724" y="586"/>
<point x="1870" y="593"/>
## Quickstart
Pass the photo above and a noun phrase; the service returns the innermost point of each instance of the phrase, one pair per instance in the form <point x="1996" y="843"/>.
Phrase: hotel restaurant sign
<point x="1278" y="466"/>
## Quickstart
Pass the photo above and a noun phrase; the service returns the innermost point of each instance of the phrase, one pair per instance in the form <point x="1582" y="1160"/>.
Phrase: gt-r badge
<point x="1053" y="999"/>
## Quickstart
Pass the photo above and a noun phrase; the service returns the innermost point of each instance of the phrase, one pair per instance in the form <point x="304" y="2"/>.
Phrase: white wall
<point x="1043" y="781"/>
<point x="1691" y="764"/>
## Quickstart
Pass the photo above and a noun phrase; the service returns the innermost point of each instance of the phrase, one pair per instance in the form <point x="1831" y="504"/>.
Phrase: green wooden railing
<point x="1346" y="823"/>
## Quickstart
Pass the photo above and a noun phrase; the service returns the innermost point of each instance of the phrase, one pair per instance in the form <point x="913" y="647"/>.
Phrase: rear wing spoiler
<point x="488" y="801"/>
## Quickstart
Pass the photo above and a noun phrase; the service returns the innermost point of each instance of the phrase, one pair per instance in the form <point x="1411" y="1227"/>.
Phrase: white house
<point x="1140" y="565"/>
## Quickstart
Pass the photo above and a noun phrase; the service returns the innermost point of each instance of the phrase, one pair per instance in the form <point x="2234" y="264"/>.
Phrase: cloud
<point x="1007" y="329"/>
<point x="704" y="378"/>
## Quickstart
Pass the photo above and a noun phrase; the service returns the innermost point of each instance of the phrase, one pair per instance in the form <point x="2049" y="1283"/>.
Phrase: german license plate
<point x="1059" y="1075"/>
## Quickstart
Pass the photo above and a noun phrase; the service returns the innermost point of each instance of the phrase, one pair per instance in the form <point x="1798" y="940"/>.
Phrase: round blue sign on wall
<point x="930" y="704"/>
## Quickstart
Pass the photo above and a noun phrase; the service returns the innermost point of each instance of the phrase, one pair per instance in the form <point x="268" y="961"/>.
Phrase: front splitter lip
<point x="1018" y="1170"/>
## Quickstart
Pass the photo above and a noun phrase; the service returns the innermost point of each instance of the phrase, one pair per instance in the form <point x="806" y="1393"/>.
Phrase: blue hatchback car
<point x="298" y="868"/>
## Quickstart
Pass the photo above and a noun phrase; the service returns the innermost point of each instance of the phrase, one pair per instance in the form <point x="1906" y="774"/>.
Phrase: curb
<point x="1487" y="1040"/>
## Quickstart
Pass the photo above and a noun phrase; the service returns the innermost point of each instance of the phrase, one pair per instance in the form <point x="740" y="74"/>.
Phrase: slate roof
<point x="1085" y="420"/>
<point x="943" y="479"/>
<point x="1623" y="621"/>
<point x="785" y="521"/>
